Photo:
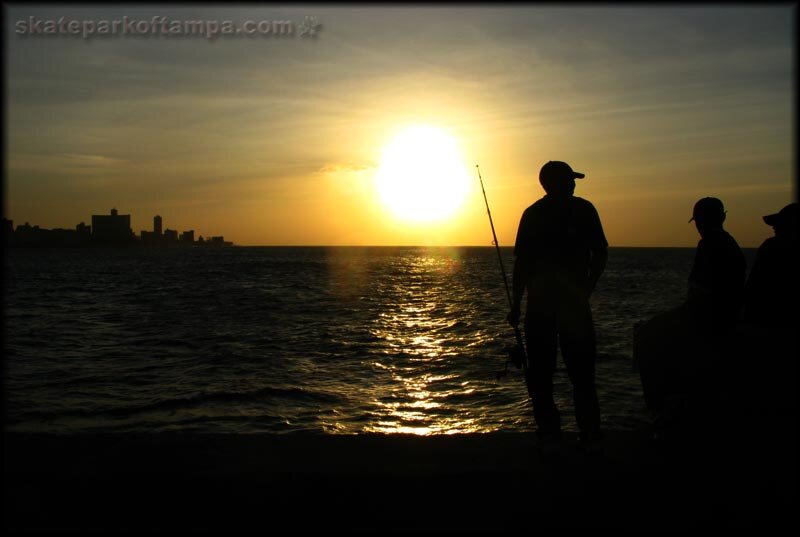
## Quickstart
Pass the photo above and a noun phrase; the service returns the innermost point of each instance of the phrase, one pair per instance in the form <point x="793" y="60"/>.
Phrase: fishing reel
<point x="516" y="356"/>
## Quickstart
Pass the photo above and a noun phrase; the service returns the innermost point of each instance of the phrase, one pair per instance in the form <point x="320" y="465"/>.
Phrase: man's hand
<point x="513" y="317"/>
<point x="586" y="293"/>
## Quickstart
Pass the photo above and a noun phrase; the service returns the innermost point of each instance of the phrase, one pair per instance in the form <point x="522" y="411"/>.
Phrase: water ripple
<point x="330" y="340"/>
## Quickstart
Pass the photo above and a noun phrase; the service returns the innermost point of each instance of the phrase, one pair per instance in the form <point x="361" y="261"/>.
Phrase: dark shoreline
<point x="384" y="482"/>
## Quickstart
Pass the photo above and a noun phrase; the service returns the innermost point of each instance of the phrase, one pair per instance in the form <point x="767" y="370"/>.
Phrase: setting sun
<point x="422" y="176"/>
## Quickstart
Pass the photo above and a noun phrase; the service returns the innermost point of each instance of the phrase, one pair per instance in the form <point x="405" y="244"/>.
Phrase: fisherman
<point x="682" y="353"/>
<point x="560" y="253"/>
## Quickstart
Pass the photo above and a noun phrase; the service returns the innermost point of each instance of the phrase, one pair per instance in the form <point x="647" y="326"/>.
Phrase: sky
<point x="278" y="140"/>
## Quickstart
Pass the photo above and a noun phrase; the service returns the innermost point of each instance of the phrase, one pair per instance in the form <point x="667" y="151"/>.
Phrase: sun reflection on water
<point x="417" y="341"/>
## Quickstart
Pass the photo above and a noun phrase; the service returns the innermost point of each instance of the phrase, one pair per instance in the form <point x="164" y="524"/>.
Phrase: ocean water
<point x="284" y="340"/>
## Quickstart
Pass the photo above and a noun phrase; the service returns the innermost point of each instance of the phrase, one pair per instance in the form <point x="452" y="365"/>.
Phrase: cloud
<point x="346" y="167"/>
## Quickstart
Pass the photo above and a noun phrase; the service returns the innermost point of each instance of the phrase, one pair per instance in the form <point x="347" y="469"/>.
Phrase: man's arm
<point x="521" y="260"/>
<point x="599" y="253"/>
<point x="596" y="267"/>
<point x="518" y="285"/>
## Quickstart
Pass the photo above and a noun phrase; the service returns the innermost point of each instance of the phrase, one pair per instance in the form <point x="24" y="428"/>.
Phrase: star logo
<point x="309" y="27"/>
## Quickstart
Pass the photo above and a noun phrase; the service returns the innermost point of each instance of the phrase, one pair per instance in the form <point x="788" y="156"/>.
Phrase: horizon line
<point x="425" y="246"/>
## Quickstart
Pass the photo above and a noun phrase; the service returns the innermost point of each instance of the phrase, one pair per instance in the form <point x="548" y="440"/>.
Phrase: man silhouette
<point x="685" y="354"/>
<point x="716" y="283"/>
<point x="560" y="253"/>
<point x="772" y="288"/>
<point x="771" y="318"/>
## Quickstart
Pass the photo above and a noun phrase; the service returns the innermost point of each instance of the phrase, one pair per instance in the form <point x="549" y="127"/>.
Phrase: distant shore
<point x="383" y="482"/>
<point x="136" y="244"/>
<point x="228" y="244"/>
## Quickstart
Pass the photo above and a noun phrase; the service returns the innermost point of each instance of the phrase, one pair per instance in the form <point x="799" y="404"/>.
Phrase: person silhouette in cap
<point x="716" y="283"/>
<point x="772" y="288"/>
<point x="680" y="352"/>
<point x="769" y="367"/>
<point x="560" y="253"/>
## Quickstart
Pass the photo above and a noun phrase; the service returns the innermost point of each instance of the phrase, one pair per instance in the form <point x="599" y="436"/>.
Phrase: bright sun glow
<point x="422" y="176"/>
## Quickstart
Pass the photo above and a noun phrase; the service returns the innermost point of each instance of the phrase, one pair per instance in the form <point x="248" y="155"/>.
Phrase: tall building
<point x="187" y="236"/>
<point x="112" y="227"/>
<point x="157" y="225"/>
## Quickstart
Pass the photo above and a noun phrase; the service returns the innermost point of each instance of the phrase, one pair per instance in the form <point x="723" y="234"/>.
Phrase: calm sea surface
<point x="282" y="340"/>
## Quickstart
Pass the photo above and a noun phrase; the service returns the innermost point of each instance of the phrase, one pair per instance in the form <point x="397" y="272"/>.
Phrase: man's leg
<point x="576" y="335"/>
<point x="541" y="339"/>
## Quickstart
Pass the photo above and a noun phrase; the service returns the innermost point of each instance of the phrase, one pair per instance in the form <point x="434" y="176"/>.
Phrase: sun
<point x="422" y="176"/>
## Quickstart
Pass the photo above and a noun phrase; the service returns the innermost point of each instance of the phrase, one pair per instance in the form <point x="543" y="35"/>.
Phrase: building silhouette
<point x="106" y="229"/>
<point x="218" y="241"/>
<point x="83" y="230"/>
<point x="27" y="235"/>
<point x="164" y="237"/>
<point x="112" y="227"/>
<point x="155" y="235"/>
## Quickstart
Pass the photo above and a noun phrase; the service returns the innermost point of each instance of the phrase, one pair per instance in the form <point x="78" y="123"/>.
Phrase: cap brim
<point x="772" y="219"/>
<point x="578" y="175"/>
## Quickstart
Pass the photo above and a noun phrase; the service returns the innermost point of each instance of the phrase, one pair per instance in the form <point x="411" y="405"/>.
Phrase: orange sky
<point x="278" y="140"/>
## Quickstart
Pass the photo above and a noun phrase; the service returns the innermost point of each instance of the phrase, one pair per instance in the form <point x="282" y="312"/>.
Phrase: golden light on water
<point x="422" y="176"/>
<point x="412" y="381"/>
<point x="400" y="414"/>
<point x="416" y="331"/>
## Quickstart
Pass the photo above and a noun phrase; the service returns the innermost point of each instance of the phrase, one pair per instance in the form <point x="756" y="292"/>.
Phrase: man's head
<point x="557" y="178"/>
<point x="784" y="222"/>
<point x="708" y="213"/>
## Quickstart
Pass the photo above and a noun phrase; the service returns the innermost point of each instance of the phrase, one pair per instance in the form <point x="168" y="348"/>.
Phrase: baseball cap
<point x="784" y="215"/>
<point x="708" y="209"/>
<point x="557" y="170"/>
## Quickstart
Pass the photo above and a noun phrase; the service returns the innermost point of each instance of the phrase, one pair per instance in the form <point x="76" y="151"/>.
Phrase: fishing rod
<point x="516" y="353"/>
